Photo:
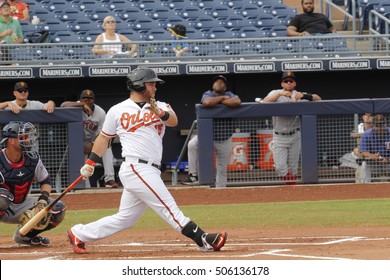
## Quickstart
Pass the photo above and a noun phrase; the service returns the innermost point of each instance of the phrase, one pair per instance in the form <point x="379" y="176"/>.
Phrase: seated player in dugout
<point x="20" y="165"/>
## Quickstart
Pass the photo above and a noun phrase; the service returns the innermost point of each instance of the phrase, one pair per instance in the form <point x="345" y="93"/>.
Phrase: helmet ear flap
<point x="137" y="86"/>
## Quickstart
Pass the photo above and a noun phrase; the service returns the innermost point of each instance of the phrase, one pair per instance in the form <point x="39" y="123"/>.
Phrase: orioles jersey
<point x="140" y="131"/>
<point x="18" y="177"/>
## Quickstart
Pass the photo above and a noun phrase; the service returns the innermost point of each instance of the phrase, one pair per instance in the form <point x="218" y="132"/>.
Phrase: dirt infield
<point x="263" y="243"/>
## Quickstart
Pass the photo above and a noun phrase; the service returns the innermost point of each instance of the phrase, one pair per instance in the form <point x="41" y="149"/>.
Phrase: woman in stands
<point x="110" y="36"/>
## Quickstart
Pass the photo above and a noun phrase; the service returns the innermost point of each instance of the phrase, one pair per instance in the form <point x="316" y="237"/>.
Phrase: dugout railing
<point x="328" y="131"/>
<point x="60" y="142"/>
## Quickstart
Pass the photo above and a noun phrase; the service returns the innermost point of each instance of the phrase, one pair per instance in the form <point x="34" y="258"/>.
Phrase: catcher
<point x="20" y="164"/>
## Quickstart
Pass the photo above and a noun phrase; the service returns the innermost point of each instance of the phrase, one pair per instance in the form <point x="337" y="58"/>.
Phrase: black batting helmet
<point x="138" y="77"/>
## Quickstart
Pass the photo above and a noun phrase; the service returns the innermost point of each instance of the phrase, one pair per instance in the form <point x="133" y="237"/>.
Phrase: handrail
<point x="374" y="16"/>
<point x="176" y="168"/>
<point x="329" y="4"/>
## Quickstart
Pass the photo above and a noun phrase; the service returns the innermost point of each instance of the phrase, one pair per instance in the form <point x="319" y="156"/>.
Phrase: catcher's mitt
<point x="28" y="214"/>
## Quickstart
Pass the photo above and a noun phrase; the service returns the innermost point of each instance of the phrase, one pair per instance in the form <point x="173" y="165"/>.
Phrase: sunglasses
<point x="288" y="81"/>
<point x="110" y="21"/>
<point x="22" y="90"/>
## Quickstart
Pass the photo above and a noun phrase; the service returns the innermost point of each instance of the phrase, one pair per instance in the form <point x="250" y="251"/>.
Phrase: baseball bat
<point x="41" y="214"/>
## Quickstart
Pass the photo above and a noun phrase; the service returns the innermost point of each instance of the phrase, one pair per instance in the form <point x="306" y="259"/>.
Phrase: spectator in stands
<point x="309" y="22"/>
<point x="179" y="44"/>
<point x="110" y="36"/>
<point x="10" y="31"/>
<point x="21" y="93"/>
<point x="375" y="149"/>
<point x="223" y="130"/>
<point x="93" y="119"/>
<point x="286" y="134"/>
<point x="19" y="9"/>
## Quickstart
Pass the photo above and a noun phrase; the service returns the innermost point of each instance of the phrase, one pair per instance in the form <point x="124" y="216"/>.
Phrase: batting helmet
<point x="138" y="77"/>
<point x="25" y="132"/>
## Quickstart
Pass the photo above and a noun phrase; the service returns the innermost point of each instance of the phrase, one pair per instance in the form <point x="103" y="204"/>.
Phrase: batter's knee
<point x="57" y="213"/>
<point x="6" y="198"/>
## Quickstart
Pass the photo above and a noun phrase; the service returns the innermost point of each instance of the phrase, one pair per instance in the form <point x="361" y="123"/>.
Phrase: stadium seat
<point x="90" y="35"/>
<point x="250" y="11"/>
<point x="236" y="4"/>
<point x="220" y="12"/>
<point x="131" y="34"/>
<point x="156" y="34"/>
<point x="265" y="21"/>
<point x="204" y="23"/>
<point x="65" y="37"/>
<point x="178" y="5"/>
<point x="277" y="31"/>
<point x="130" y="14"/>
<point x="194" y="33"/>
<point x="365" y="7"/>
<point x="144" y="23"/>
<point x="53" y="25"/>
<point x="122" y="24"/>
<point x="281" y="11"/>
<point x="383" y="9"/>
<point x="147" y="5"/>
<point x="267" y="3"/>
<point x="70" y="14"/>
<point x="81" y="26"/>
<point x="161" y="13"/>
<point x="250" y="32"/>
<point x="191" y="13"/>
<point x="204" y="4"/>
<point x="88" y="5"/>
<point x="43" y="14"/>
<point x="99" y="14"/>
<point x="220" y="32"/>
<point x="56" y="6"/>
<point x="236" y="22"/>
<point x="27" y="26"/>
<point x="171" y="21"/>
<point x="118" y="5"/>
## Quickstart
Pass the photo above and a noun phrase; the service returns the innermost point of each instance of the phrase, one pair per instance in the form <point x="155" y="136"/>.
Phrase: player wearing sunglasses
<point x="21" y="93"/>
<point x="286" y="145"/>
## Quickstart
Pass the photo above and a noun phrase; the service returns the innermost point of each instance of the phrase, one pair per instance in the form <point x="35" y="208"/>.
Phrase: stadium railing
<point x="201" y="50"/>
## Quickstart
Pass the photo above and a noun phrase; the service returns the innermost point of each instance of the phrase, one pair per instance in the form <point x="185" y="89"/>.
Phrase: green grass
<point x="338" y="213"/>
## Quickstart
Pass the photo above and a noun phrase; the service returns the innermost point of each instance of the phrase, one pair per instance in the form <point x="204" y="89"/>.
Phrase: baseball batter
<point x="286" y="129"/>
<point x="140" y="123"/>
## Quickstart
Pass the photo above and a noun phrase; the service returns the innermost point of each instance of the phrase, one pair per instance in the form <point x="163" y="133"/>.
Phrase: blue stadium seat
<point x="220" y="12"/>
<point x="220" y="32"/>
<point x="56" y="6"/>
<point x="281" y="11"/>
<point x="130" y="14"/>
<point x="204" y="4"/>
<point x="43" y="14"/>
<point x="80" y="26"/>
<point x="144" y="23"/>
<point x="277" y="31"/>
<point x="121" y="24"/>
<point x="147" y="5"/>
<point x="204" y="23"/>
<point x="88" y="5"/>
<point x="236" y="4"/>
<point x="250" y="11"/>
<point x="131" y="34"/>
<point x="171" y="21"/>
<point x="54" y="25"/>
<point x="236" y="22"/>
<point x="383" y="9"/>
<point x="191" y="13"/>
<point x="99" y="14"/>
<point x="194" y="33"/>
<point x="178" y="5"/>
<point x="65" y="37"/>
<point x="161" y="13"/>
<point x="118" y="5"/>
<point x="70" y="14"/>
<point x="156" y="34"/>
<point x="27" y="26"/>
<point x="90" y="35"/>
<point x="251" y="32"/>
<point x="365" y="7"/>
<point x="265" y="21"/>
<point x="267" y="3"/>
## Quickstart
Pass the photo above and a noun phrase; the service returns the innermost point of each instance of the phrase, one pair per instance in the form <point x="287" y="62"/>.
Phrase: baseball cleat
<point x="78" y="246"/>
<point x="34" y="241"/>
<point x="213" y="242"/>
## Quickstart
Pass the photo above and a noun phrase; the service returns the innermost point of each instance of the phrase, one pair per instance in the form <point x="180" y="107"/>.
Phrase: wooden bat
<point x="41" y="214"/>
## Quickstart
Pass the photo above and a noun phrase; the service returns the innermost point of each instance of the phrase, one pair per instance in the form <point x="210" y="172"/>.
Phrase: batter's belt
<point x="144" y="161"/>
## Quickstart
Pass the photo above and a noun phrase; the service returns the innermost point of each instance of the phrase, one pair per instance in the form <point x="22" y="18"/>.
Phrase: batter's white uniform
<point x="286" y="138"/>
<point x="140" y="132"/>
<point x="92" y="126"/>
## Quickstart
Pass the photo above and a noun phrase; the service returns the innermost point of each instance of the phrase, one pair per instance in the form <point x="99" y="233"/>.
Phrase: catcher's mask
<point x="138" y="77"/>
<point x="25" y="132"/>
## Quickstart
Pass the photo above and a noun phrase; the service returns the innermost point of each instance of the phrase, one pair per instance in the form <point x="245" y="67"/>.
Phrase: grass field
<point x="370" y="212"/>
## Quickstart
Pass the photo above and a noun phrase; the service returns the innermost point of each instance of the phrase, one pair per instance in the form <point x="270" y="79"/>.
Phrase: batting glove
<point x="87" y="170"/>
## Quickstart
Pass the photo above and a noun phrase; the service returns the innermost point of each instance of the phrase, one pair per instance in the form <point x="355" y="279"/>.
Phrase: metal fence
<point x="262" y="48"/>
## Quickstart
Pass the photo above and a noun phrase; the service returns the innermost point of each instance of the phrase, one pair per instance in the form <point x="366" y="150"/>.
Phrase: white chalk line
<point x="172" y="245"/>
